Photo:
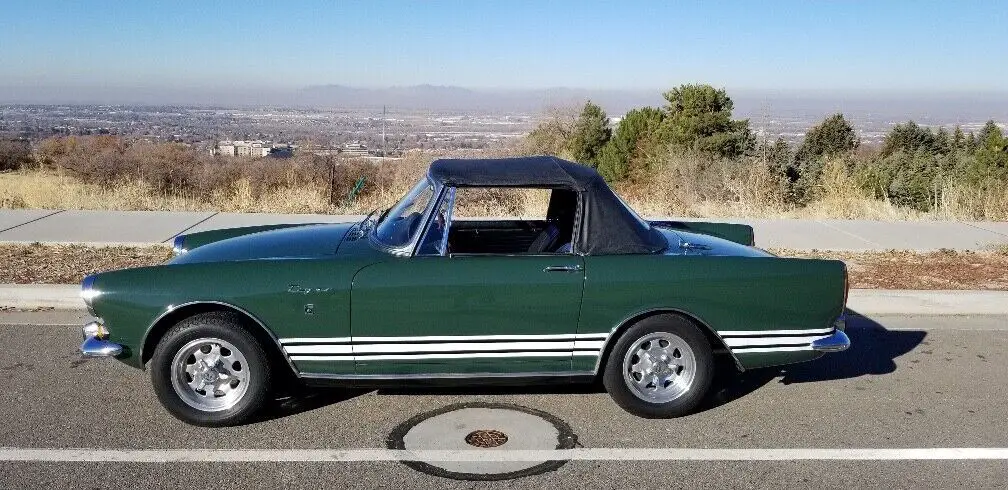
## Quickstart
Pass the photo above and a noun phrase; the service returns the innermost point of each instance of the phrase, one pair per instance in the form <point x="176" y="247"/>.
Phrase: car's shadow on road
<point x="293" y="402"/>
<point x="874" y="350"/>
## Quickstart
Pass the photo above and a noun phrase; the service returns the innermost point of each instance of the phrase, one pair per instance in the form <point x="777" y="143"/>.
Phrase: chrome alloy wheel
<point x="210" y="374"/>
<point x="659" y="367"/>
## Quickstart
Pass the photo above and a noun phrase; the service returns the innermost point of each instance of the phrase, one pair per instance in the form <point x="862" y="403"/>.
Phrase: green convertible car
<point x="590" y="291"/>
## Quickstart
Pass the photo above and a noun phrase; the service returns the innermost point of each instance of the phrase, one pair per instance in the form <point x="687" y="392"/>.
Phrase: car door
<point x="466" y="314"/>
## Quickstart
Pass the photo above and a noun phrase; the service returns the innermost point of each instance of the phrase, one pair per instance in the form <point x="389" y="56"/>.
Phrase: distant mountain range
<point x="928" y="108"/>
<point x="403" y="98"/>
<point x="450" y="98"/>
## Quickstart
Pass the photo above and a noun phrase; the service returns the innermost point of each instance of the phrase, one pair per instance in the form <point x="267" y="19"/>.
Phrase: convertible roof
<point x="607" y="227"/>
<point x="541" y="171"/>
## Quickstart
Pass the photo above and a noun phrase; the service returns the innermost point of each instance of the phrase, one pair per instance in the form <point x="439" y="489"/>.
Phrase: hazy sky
<point x="819" y="45"/>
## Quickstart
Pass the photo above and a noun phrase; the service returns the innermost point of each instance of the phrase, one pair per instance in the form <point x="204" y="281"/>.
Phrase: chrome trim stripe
<point x="445" y="375"/>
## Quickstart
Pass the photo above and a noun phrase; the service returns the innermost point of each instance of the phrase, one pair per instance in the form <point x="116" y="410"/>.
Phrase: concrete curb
<point x="61" y="297"/>
<point x="863" y="301"/>
<point x="910" y="302"/>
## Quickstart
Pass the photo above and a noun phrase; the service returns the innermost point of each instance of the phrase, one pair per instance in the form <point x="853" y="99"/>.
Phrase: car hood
<point x="688" y="243"/>
<point x="301" y="242"/>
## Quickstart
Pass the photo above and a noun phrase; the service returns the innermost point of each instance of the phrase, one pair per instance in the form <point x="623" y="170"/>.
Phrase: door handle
<point x="562" y="268"/>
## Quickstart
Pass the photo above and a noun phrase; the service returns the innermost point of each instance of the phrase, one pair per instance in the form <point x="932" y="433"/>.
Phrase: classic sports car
<point x="412" y="295"/>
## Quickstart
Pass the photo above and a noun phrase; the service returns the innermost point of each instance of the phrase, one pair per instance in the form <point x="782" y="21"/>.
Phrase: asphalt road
<point x="908" y="382"/>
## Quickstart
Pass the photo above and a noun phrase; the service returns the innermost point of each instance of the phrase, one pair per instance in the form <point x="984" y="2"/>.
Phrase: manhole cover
<point x="486" y="438"/>
<point x="478" y="426"/>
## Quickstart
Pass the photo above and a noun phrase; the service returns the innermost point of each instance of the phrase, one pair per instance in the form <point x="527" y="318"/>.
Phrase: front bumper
<point x="95" y="344"/>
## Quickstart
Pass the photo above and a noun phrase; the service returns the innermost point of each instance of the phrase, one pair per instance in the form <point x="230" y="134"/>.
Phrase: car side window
<point x="503" y="221"/>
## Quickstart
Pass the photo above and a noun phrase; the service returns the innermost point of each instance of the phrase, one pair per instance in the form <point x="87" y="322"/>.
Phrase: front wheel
<point x="208" y="370"/>
<point x="661" y="367"/>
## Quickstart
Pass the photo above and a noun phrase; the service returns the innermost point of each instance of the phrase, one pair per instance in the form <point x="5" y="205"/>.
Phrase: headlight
<point x="94" y="329"/>
<point x="88" y="292"/>
<point x="178" y="245"/>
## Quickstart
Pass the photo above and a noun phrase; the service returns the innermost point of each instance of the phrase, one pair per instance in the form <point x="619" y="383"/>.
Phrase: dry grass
<point x="688" y="186"/>
<point x="691" y="186"/>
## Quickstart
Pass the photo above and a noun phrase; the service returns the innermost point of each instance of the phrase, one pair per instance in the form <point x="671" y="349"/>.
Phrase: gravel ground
<point x="68" y="264"/>
<point x="902" y="269"/>
<point x="894" y="269"/>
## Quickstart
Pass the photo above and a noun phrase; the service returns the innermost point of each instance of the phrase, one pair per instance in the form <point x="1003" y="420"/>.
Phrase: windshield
<point x="402" y="223"/>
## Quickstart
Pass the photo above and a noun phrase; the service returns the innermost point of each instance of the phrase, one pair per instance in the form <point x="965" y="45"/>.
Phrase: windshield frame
<point x="408" y="248"/>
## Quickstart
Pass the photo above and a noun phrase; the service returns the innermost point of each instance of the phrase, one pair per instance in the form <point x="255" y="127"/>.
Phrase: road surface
<point x="908" y="383"/>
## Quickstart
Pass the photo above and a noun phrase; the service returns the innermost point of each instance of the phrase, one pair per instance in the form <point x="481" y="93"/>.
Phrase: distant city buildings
<point x="259" y="149"/>
<point x="248" y="149"/>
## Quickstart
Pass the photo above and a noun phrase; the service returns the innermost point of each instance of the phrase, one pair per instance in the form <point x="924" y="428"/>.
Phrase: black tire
<point x="683" y="404"/>
<point x="224" y="326"/>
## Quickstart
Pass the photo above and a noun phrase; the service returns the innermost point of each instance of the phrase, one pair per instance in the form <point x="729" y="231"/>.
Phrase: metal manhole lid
<point x="486" y="438"/>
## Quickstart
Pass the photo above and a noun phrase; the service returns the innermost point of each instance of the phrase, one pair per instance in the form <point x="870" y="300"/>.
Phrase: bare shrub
<point x="14" y="155"/>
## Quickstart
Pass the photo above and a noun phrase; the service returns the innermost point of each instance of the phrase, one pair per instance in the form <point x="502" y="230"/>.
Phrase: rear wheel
<point x="661" y="367"/>
<point x="208" y="370"/>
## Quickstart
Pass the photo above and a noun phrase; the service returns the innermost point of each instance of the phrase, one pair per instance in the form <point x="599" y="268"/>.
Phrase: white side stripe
<point x="753" y="342"/>
<point x="317" y="340"/>
<point x="319" y="349"/>
<point x="589" y="344"/>
<point x="445" y="355"/>
<point x="760" y="350"/>
<point x="463" y="338"/>
<point x="440" y="347"/>
<point x="761" y="333"/>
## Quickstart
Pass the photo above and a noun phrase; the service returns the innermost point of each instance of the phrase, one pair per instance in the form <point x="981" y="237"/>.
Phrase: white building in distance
<point x="248" y="149"/>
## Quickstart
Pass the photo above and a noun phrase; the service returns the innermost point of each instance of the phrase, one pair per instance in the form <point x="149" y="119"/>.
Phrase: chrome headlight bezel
<point x="88" y="292"/>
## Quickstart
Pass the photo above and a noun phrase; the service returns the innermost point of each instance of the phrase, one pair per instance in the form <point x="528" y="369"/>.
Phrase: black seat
<point x="546" y="240"/>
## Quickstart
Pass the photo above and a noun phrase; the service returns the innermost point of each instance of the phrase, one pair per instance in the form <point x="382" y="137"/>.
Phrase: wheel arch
<point x="717" y="343"/>
<point x="160" y="326"/>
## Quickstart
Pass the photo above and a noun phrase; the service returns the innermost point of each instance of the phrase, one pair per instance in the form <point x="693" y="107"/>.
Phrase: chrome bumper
<point x="834" y="343"/>
<point x="95" y="345"/>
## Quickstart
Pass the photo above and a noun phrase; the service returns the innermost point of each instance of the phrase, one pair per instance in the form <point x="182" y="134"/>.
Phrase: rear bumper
<point x="836" y="342"/>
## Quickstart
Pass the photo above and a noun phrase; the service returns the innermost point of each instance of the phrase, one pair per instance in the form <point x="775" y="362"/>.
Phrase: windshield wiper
<point x="369" y="215"/>
<point x="383" y="215"/>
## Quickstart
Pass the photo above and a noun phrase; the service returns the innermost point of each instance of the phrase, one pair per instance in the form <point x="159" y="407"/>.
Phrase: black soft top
<point x="607" y="227"/>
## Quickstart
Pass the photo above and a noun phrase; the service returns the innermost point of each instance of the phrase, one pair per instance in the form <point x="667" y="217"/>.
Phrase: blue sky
<point x="815" y="45"/>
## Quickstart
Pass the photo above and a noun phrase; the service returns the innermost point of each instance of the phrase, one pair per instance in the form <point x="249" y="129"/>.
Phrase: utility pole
<point x="384" y="151"/>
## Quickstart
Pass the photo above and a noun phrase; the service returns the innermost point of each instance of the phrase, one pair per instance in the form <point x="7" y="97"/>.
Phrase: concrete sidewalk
<point x="152" y="227"/>
<point x="862" y="301"/>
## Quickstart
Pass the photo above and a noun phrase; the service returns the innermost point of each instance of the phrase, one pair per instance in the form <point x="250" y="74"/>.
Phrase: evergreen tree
<point x="633" y="138"/>
<point x="591" y="132"/>
<point x="698" y="118"/>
